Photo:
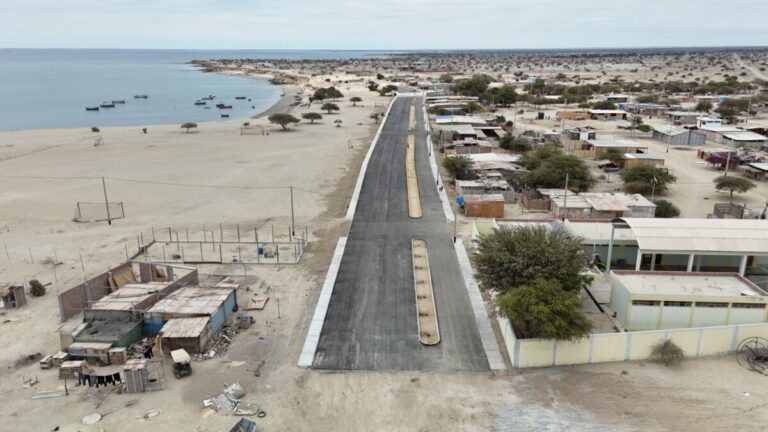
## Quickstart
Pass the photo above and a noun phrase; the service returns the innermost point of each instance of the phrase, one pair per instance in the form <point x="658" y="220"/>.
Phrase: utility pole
<point x="653" y="188"/>
<point x="106" y="200"/>
<point x="727" y="164"/>
<point x="293" y="223"/>
<point x="565" y="199"/>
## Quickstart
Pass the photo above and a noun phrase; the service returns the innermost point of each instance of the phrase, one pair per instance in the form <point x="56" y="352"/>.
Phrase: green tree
<point x="510" y="258"/>
<point x="516" y="144"/>
<point x="188" y="126"/>
<point x="475" y="86"/>
<point x="541" y="309"/>
<point x="379" y="76"/>
<point x="338" y="122"/>
<point x="504" y="95"/>
<point x="472" y="107"/>
<point x="283" y="119"/>
<point x="446" y="78"/>
<point x="372" y="86"/>
<point x="733" y="184"/>
<point x="387" y="90"/>
<point x="665" y="209"/>
<point x="553" y="170"/>
<point x="534" y="160"/>
<point x="328" y="106"/>
<point x="458" y="166"/>
<point x="355" y="100"/>
<point x="36" y="289"/>
<point x="612" y="155"/>
<point x="327" y="93"/>
<point x="312" y="116"/>
<point x="604" y="105"/>
<point x="645" y="179"/>
<point x="667" y="352"/>
<point x="375" y="117"/>
<point x="732" y="107"/>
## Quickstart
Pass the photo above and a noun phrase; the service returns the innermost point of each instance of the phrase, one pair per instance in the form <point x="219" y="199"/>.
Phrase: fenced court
<point x="238" y="244"/>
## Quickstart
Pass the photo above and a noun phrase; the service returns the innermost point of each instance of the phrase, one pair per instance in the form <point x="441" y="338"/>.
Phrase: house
<point x="607" y="114"/>
<point x="709" y="245"/>
<point x="645" y="300"/>
<point x="685" y="117"/>
<point x="484" y="206"/>
<point x="592" y="148"/>
<point x="675" y="135"/>
<point x="647" y="109"/>
<point x="581" y="134"/>
<point x="617" y="98"/>
<point x="193" y="301"/>
<point x="572" y="115"/>
<point x="756" y="171"/>
<point x="460" y="120"/>
<point x="631" y="160"/>
<point x="597" y="205"/>
<point x="190" y="334"/>
<point x="13" y="295"/>
<point x="744" y="138"/>
<point x="711" y="123"/>
<point x="128" y="302"/>
<point x="454" y="132"/>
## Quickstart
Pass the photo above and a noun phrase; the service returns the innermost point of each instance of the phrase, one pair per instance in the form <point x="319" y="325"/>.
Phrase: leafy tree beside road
<point x="733" y="184"/>
<point x="647" y="180"/>
<point x="553" y="170"/>
<point x="312" y="116"/>
<point x="328" y="106"/>
<point x="458" y="166"/>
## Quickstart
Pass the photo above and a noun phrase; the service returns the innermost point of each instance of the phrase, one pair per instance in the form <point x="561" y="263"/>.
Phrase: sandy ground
<point x="35" y="213"/>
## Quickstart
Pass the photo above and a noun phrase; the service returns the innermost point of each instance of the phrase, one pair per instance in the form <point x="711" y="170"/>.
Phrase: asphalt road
<point x="371" y="321"/>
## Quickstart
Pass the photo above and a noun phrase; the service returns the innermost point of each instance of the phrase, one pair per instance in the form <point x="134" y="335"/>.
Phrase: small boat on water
<point x="107" y="105"/>
<point x="119" y="101"/>
<point x="141" y="96"/>
<point x="207" y="107"/>
<point x="223" y="106"/>
<point x="240" y="97"/>
<point x="207" y="98"/>
<point x="200" y="103"/>
<point x="225" y="116"/>
<point x="92" y="108"/>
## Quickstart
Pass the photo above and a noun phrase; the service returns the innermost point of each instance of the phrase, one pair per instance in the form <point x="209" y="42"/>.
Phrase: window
<point x="711" y="305"/>
<point x="645" y="303"/>
<point x="677" y="304"/>
<point x="748" y="306"/>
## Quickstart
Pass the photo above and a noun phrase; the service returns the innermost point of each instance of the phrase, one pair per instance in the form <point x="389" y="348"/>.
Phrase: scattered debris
<point x="257" y="302"/>
<point x="222" y="340"/>
<point x="234" y="391"/>
<point x="753" y="354"/>
<point x="91" y="419"/>
<point x="29" y="382"/>
<point x="244" y="425"/>
<point x="47" y="395"/>
<point x="27" y="360"/>
<point x="151" y="414"/>
<point x="257" y="371"/>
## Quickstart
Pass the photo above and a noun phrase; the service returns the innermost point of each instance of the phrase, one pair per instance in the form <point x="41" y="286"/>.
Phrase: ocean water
<point x="50" y="88"/>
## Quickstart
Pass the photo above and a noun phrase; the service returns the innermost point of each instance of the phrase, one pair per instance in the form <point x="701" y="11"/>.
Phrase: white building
<point x="668" y="300"/>
<point x="712" y="123"/>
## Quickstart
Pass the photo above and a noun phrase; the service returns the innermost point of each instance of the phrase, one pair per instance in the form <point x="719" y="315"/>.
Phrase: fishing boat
<point x="107" y="105"/>
<point x="240" y="97"/>
<point x="223" y="106"/>
<point x="119" y="101"/>
<point x="141" y="96"/>
<point x="200" y="103"/>
<point x="92" y="108"/>
<point x="207" y="98"/>
<point x="225" y="116"/>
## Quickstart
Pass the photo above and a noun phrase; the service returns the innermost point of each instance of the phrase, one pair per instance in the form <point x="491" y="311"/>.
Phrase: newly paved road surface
<point x="371" y="319"/>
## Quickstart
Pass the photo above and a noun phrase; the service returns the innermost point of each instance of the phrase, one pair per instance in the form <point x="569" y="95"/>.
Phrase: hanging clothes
<point x="116" y="377"/>
<point x="108" y="379"/>
<point x="101" y="381"/>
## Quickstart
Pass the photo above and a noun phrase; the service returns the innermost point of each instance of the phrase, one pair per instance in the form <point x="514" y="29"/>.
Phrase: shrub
<point x="665" y="209"/>
<point x="94" y="129"/>
<point x="667" y="352"/>
<point x="36" y="288"/>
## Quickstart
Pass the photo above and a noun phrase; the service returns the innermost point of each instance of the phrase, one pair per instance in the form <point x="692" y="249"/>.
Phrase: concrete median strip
<point x="429" y="331"/>
<point x="411" y="180"/>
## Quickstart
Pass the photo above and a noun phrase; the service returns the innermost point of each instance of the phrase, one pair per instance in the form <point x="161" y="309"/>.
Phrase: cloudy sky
<point x="380" y="24"/>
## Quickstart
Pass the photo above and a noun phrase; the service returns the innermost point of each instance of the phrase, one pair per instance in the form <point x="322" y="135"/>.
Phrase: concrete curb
<point x="307" y="356"/>
<point x="487" y="337"/>
<point x="436" y="173"/>
<point x="364" y="167"/>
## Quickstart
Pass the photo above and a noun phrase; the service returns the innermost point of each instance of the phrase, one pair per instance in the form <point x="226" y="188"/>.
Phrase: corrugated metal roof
<point x="604" y="202"/>
<point x="742" y="236"/>
<point x="759" y="166"/>
<point x="744" y="136"/>
<point x="192" y="301"/>
<point x="184" y="327"/>
<point x="649" y="156"/>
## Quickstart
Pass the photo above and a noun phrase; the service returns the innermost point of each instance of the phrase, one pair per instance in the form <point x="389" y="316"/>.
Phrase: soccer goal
<point x="97" y="212"/>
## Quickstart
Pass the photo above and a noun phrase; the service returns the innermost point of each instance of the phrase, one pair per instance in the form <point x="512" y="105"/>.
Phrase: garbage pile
<point x="229" y="402"/>
<point x="141" y="349"/>
<point x="221" y="341"/>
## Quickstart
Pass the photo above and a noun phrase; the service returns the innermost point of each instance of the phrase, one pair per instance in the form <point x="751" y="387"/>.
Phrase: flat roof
<point x="127" y="296"/>
<point x="105" y="330"/>
<point x="744" y="136"/>
<point x="459" y="119"/>
<point x="737" y="236"/>
<point x="683" y="283"/>
<point x="184" y="327"/>
<point x="484" y="198"/>
<point x="192" y="301"/>
<point x="649" y="156"/>
<point x="606" y="111"/>
<point x="686" y="113"/>
<point x="616" y="143"/>
<point x="598" y="233"/>
<point x="492" y="157"/>
<point x="759" y="166"/>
